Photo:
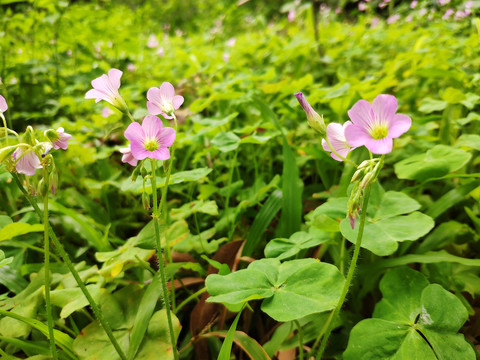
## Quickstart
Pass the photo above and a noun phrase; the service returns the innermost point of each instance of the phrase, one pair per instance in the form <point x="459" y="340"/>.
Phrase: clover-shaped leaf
<point x="282" y="248"/>
<point x="291" y="290"/>
<point x="414" y="320"/>
<point x="388" y="225"/>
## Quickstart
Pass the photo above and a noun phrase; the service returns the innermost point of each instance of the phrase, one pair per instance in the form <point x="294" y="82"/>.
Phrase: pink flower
<point x="422" y="12"/>
<point x="231" y="42"/>
<point x="362" y="6"/>
<point x="152" y="41"/>
<point x="26" y="161"/>
<point x="163" y="100"/>
<point x="62" y="142"/>
<point x="376" y="125"/>
<point x="128" y="157"/>
<point x="150" y="140"/>
<point x="161" y="52"/>
<point x="409" y="18"/>
<point x="291" y="15"/>
<point x="336" y="136"/>
<point x="448" y="13"/>
<point x="413" y="4"/>
<point x="131" y="67"/>
<point x="392" y="19"/>
<point x="374" y="22"/>
<point x="3" y="104"/>
<point x="106" y="88"/>
<point x="443" y="2"/>
<point x="469" y="4"/>
<point x="106" y="112"/>
<point x="226" y="57"/>
<point x="314" y="120"/>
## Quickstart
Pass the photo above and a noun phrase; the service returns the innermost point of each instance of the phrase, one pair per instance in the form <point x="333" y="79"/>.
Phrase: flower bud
<point x="368" y="179"/>
<point x="52" y="135"/>
<point x="53" y="180"/>
<point x="135" y="173"/>
<point x="146" y="200"/>
<point x="6" y="152"/>
<point x="29" y="136"/>
<point x="314" y="120"/>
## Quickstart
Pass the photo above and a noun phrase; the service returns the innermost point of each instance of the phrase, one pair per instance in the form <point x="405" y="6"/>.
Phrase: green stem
<point x="130" y="116"/>
<point x="161" y="264"/>
<point x="319" y="337"/>
<point x="300" y="340"/>
<point x="351" y="270"/>
<point x="63" y="254"/>
<point x="190" y="298"/>
<point x="5" y="127"/>
<point x="342" y="255"/>
<point x="48" y="304"/>
<point x="336" y="153"/>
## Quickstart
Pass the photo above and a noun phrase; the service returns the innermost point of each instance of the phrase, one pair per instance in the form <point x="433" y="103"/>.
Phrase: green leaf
<point x="414" y="320"/>
<point x="291" y="290"/>
<point x="285" y="248"/>
<point x="453" y="96"/>
<point x="16" y="229"/>
<point x="71" y="300"/>
<point x="61" y="339"/>
<point x="226" y="141"/>
<point x="436" y="162"/>
<point x="144" y="314"/>
<point x="226" y="348"/>
<point x="264" y="217"/>
<point x="250" y="346"/>
<point x="429" y="105"/>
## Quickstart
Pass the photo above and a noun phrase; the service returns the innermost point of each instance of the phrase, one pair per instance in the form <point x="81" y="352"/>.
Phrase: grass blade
<point x="262" y="220"/>
<point x="227" y="343"/>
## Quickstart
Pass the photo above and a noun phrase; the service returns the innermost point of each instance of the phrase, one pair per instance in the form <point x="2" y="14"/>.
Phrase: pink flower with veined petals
<point x="376" y="125"/>
<point x="62" y="142"/>
<point x="27" y="162"/>
<point x="3" y="104"/>
<point x="128" y="157"/>
<point x="151" y="139"/>
<point x="163" y="100"/>
<point x="106" y="88"/>
<point x="336" y="136"/>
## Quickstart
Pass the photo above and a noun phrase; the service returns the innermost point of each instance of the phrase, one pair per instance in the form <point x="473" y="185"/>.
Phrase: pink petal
<point x="166" y="137"/>
<point x="4" y="106"/>
<point x="177" y="101"/>
<point x="325" y="145"/>
<point x="384" y="107"/>
<point x="139" y="151"/>
<point x="114" y="75"/>
<point x="95" y="94"/>
<point x="102" y="84"/>
<point x="154" y="95"/>
<point x="135" y="134"/>
<point x="153" y="109"/>
<point x="151" y="126"/>
<point x="166" y="116"/>
<point x="356" y="135"/>
<point x="362" y="114"/>
<point x="381" y="146"/>
<point x="28" y="163"/>
<point x="399" y="124"/>
<point x="161" y="154"/>
<point x="167" y="91"/>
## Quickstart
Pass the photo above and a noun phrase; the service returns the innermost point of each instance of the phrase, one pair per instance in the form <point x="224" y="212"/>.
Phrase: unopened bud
<point x="52" y="135"/>
<point x="135" y="173"/>
<point x="43" y="187"/>
<point x="363" y="164"/>
<point x="143" y="171"/>
<point x="53" y="180"/>
<point x="6" y="152"/>
<point x="358" y="174"/>
<point x="29" y="136"/>
<point x="368" y="179"/>
<point x="314" y="120"/>
<point x="146" y="200"/>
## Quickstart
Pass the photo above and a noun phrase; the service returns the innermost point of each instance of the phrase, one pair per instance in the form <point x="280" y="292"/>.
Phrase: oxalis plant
<point x="413" y="317"/>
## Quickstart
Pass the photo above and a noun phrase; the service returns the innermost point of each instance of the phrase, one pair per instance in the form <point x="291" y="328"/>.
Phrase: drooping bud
<point x="146" y="200"/>
<point x="314" y="120"/>
<point x="53" y="180"/>
<point x="6" y="152"/>
<point x="135" y="173"/>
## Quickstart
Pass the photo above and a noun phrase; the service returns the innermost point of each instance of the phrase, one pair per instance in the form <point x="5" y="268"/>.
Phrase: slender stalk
<point x="161" y="264"/>
<point x="190" y="298"/>
<point x="300" y="339"/>
<point x="5" y="127"/>
<point x="342" y="256"/>
<point x="48" y="304"/>
<point x="130" y="116"/>
<point x="63" y="254"/>
<point x="319" y="337"/>
<point x="351" y="270"/>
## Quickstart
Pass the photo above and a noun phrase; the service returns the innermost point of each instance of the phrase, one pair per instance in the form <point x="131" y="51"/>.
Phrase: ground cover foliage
<point x="255" y="226"/>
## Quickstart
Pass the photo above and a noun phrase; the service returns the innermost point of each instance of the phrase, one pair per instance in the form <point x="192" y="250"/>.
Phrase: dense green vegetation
<point x="252" y="194"/>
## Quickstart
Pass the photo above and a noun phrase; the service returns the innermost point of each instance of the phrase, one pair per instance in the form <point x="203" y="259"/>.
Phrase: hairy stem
<point x="48" y="304"/>
<point x="63" y="254"/>
<point x="351" y="270"/>
<point x="161" y="264"/>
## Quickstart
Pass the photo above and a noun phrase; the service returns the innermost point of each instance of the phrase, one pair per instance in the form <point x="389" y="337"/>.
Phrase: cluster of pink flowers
<point x="150" y="139"/>
<point x="25" y="157"/>
<point x="372" y="125"/>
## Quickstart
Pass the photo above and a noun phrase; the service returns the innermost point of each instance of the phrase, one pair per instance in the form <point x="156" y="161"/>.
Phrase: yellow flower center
<point x="379" y="131"/>
<point x="151" y="144"/>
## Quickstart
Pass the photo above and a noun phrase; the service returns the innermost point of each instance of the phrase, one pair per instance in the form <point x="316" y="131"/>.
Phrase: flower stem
<point x="48" y="304"/>
<point x="6" y="128"/>
<point x="190" y="298"/>
<point x="130" y="116"/>
<point x="336" y="153"/>
<point x="161" y="264"/>
<point x="63" y="254"/>
<point x="351" y="270"/>
<point x="300" y="339"/>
